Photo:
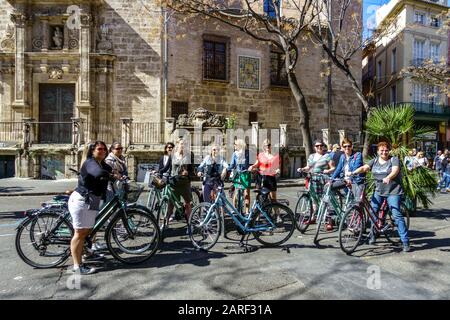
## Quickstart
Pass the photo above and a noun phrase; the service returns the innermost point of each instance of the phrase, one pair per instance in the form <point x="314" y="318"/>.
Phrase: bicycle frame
<point x="376" y="219"/>
<point x="241" y="221"/>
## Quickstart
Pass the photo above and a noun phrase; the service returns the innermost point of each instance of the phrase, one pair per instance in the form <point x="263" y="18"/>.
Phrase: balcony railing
<point x="145" y="133"/>
<point x="11" y="131"/>
<point x="429" y="108"/>
<point x="417" y="62"/>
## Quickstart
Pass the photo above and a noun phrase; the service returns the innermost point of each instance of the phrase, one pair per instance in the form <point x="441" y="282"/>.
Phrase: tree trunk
<point x="303" y="110"/>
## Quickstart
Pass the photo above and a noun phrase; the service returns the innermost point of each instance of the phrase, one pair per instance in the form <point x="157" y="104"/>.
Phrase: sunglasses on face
<point x="319" y="145"/>
<point x="169" y="147"/>
<point x="100" y="149"/>
<point x="120" y="148"/>
<point x="347" y="146"/>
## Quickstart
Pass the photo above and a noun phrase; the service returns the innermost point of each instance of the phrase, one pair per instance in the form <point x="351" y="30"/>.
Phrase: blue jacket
<point x="239" y="166"/>
<point x="355" y="162"/>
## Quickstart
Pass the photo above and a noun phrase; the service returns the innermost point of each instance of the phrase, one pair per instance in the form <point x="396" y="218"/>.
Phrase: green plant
<point x="395" y="124"/>
<point x="231" y="122"/>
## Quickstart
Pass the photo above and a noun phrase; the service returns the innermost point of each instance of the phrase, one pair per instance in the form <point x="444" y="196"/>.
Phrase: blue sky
<point x="369" y="7"/>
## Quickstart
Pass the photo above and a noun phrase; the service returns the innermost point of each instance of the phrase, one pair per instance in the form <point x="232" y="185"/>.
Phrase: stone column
<point x="19" y="20"/>
<point x="255" y="129"/>
<point x="325" y="136"/>
<point x="126" y="132"/>
<point x="85" y="46"/>
<point x="45" y="36"/>
<point x="66" y="35"/>
<point x="169" y="127"/>
<point x="342" y="135"/>
<point x="283" y="136"/>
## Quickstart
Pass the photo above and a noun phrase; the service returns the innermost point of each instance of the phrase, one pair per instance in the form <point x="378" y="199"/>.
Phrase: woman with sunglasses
<point x="165" y="162"/>
<point x="240" y="162"/>
<point x="269" y="166"/>
<point x="85" y="200"/>
<point x="347" y="163"/>
<point x="319" y="162"/>
<point x="116" y="160"/>
<point x="388" y="185"/>
<point x="213" y="169"/>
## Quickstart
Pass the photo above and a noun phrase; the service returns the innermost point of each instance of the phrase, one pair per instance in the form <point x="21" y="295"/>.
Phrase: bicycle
<point x="155" y="195"/>
<point x="265" y="223"/>
<point x="329" y="201"/>
<point x="304" y="209"/>
<point x="47" y="235"/>
<point x="353" y="223"/>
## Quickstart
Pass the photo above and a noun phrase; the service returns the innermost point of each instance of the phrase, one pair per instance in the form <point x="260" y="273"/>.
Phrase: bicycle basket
<point x="158" y="182"/>
<point x="131" y="191"/>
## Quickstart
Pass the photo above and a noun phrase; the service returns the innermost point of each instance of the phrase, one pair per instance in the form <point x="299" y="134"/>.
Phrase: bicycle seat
<point x="264" y="191"/>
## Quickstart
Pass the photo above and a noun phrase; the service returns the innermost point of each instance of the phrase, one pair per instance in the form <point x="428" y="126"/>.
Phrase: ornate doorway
<point x="56" y="103"/>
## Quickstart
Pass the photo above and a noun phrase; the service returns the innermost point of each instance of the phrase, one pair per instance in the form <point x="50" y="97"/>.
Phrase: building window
<point x="434" y="52"/>
<point x="394" y="61"/>
<point x="179" y="107"/>
<point x="435" y="22"/>
<point x="418" y="52"/>
<point x="214" y="60"/>
<point x="252" y="117"/>
<point x="419" y="17"/>
<point x="379" y="74"/>
<point x="394" y="94"/>
<point x="278" y="75"/>
<point x="269" y="7"/>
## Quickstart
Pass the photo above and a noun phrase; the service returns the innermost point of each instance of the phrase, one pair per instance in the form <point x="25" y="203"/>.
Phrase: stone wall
<point x="274" y="105"/>
<point x="136" y="38"/>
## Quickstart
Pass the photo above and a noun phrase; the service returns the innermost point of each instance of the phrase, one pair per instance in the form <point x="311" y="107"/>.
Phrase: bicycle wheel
<point x="320" y="226"/>
<point x="161" y="217"/>
<point x="137" y="244"/>
<point x="283" y="219"/>
<point x="303" y="212"/>
<point x="196" y="197"/>
<point x="151" y="201"/>
<point x="43" y="241"/>
<point x="351" y="229"/>
<point x="204" y="234"/>
<point x="391" y="230"/>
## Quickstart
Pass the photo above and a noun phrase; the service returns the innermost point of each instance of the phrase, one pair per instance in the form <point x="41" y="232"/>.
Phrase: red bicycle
<point x="357" y="218"/>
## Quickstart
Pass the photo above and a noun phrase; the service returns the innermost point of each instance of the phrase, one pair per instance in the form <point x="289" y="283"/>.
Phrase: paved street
<point x="298" y="270"/>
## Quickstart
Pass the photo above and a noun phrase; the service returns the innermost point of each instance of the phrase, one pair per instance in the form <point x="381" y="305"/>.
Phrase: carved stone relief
<point x="55" y="73"/>
<point x="202" y="117"/>
<point x="8" y="42"/>
<point x="104" y="42"/>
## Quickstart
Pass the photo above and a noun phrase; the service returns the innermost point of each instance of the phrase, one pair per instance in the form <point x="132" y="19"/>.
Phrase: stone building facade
<point x="123" y="69"/>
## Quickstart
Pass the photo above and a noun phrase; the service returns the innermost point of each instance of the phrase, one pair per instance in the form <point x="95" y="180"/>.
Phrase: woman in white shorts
<point x="84" y="201"/>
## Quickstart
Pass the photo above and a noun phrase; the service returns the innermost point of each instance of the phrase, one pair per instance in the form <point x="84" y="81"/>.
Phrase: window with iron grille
<point x="278" y="75"/>
<point x="214" y="60"/>
<point x="252" y="117"/>
<point x="179" y="107"/>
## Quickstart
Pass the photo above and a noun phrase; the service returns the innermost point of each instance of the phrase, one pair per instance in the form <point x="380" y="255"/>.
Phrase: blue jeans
<point x="394" y="205"/>
<point x="445" y="180"/>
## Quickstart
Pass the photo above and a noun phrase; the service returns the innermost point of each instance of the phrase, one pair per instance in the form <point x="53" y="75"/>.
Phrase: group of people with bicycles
<point x="351" y="170"/>
<point x="100" y="168"/>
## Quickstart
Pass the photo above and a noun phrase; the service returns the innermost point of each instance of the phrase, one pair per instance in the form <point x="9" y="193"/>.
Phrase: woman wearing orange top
<point x="269" y="166"/>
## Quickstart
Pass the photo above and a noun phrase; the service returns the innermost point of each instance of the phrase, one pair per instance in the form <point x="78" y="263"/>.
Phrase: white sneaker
<point x="93" y="257"/>
<point x="99" y="246"/>
<point x="82" y="269"/>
